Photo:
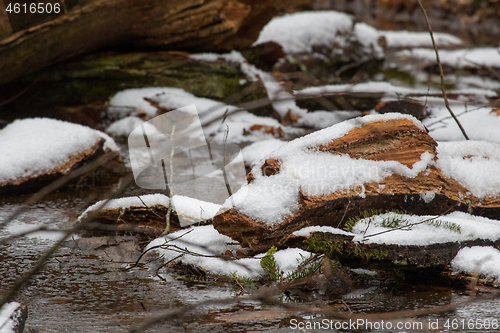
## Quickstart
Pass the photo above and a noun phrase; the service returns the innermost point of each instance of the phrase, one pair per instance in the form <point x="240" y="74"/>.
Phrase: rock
<point x="36" y="152"/>
<point x="265" y="217"/>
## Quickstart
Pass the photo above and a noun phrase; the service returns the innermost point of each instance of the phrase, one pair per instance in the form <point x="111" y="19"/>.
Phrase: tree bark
<point x="5" y="29"/>
<point x="200" y="25"/>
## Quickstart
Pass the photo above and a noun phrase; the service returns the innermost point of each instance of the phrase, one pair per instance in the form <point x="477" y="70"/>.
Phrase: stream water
<point x="84" y="287"/>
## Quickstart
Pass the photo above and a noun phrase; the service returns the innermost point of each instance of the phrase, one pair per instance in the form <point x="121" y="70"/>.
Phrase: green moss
<point x="244" y="281"/>
<point x="339" y="250"/>
<point x="397" y="221"/>
<point x="364" y="215"/>
<point x="392" y="74"/>
<point x="270" y="266"/>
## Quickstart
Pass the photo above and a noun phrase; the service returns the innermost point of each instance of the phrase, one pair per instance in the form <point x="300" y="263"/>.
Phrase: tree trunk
<point x="160" y="25"/>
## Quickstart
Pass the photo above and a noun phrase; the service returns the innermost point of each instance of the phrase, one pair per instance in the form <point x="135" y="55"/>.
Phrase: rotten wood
<point x="397" y="139"/>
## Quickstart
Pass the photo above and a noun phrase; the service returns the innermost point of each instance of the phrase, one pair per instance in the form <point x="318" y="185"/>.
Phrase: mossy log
<point x="384" y="256"/>
<point x="200" y="25"/>
<point x="78" y="90"/>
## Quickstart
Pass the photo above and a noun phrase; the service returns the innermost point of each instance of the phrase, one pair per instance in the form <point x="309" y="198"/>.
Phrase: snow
<point x="206" y="246"/>
<point x="233" y="56"/>
<point x="476" y="57"/>
<point x="385" y="88"/>
<point x="194" y="207"/>
<point x="207" y="242"/>
<point x="268" y="199"/>
<point x="411" y="39"/>
<point x="124" y="126"/>
<point x="362" y="271"/>
<point x="273" y="199"/>
<point x="289" y="259"/>
<point x="30" y="147"/>
<point x="479" y="123"/>
<point x="300" y="32"/>
<point x="427" y="196"/>
<point x="471" y="227"/>
<point x="474" y="164"/>
<point x="305" y="232"/>
<point x="210" y="112"/>
<point x="323" y="119"/>
<point x="126" y="101"/>
<point x="7" y="322"/>
<point x="253" y="153"/>
<point x="484" y="260"/>
<point x="182" y="205"/>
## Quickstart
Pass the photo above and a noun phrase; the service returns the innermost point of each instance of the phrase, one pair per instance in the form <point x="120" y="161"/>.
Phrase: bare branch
<point x="441" y="73"/>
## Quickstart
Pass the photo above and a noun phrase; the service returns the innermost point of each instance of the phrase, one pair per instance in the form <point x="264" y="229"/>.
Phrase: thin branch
<point x="152" y="211"/>
<point x="224" y="173"/>
<point x="170" y="184"/>
<point x="441" y="73"/>
<point x="406" y="226"/>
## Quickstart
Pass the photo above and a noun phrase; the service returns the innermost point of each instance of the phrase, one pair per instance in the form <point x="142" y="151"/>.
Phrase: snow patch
<point x="434" y="232"/>
<point x="202" y="246"/>
<point x="182" y="205"/>
<point x="411" y="39"/>
<point x="30" y="147"/>
<point x="305" y="232"/>
<point x="484" y="260"/>
<point x="474" y="164"/>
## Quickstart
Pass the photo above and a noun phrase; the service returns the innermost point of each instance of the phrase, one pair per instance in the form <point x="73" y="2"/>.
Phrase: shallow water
<point x="84" y="287"/>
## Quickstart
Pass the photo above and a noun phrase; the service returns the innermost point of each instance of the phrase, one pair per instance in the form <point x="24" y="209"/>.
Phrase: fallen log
<point x="271" y="214"/>
<point x="77" y="91"/>
<point x="200" y="25"/>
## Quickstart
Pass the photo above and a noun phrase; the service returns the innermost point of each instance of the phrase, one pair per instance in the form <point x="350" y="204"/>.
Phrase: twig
<point x="170" y="184"/>
<point x="345" y="212"/>
<point x="441" y="73"/>
<point x="224" y="173"/>
<point x="156" y="247"/>
<point x="405" y="226"/>
<point x="19" y="94"/>
<point x="152" y="211"/>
